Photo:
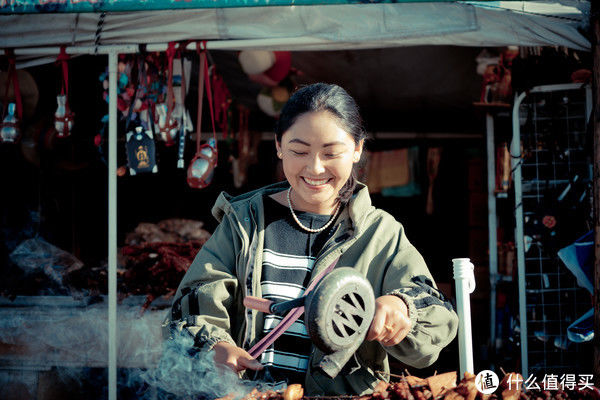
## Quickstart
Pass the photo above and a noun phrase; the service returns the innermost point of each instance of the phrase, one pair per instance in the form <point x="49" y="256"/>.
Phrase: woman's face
<point x="317" y="156"/>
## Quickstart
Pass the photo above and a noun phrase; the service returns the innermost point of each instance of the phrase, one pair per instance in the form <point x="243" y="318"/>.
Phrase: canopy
<point x="311" y="27"/>
<point x="48" y="6"/>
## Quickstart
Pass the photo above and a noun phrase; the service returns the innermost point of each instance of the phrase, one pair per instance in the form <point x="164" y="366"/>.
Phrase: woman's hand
<point x="391" y="322"/>
<point x="236" y="358"/>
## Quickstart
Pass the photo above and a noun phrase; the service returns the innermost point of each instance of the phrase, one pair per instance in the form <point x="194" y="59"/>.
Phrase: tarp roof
<point x="48" y="6"/>
<point x="324" y="27"/>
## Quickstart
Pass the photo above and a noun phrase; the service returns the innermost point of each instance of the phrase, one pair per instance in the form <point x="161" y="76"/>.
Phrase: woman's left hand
<point x="391" y="322"/>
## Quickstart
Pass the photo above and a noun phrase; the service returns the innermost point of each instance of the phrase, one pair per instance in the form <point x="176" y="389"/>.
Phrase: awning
<point x="331" y="27"/>
<point x="79" y="6"/>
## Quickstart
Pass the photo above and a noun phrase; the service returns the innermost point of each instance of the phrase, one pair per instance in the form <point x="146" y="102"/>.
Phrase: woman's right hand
<point x="234" y="357"/>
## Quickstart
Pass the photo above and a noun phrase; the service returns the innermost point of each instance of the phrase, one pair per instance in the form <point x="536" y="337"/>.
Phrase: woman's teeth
<point x="316" y="182"/>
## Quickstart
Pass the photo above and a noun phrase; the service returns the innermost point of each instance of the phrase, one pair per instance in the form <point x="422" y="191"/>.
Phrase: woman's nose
<point x="316" y="166"/>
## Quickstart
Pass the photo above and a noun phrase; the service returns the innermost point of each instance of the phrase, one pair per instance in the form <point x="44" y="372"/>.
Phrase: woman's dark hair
<point x="325" y="97"/>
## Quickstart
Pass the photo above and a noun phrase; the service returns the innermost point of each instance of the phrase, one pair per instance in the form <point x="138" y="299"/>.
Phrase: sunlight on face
<point x="317" y="156"/>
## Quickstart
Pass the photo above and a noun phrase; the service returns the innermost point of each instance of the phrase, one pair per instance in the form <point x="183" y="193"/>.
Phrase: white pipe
<point x="492" y="235"/>
<point x="103" y="50"/>
<point x="235" y="44"/>
<point x="425" y="135"/>
<point x="464" y="279"/>
<point x="554" y="88"/>
<point x="515" y="164"/>
<point x="112" y="226"/>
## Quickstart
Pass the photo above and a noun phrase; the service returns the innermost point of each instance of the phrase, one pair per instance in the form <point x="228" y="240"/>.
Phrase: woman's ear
<point x="358" y="151"/>
<point x="278" y="148"/>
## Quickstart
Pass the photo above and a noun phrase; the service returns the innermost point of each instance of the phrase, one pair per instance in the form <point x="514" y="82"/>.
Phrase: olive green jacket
<point x="208" y="303"/>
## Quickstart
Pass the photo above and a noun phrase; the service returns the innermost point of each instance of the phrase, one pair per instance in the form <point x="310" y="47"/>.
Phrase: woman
<point x="271" y="241"/>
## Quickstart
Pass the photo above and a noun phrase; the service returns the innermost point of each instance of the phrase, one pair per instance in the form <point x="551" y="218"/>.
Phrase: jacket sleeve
<point x="207" y="292"/>
<point x="434" y="322"/>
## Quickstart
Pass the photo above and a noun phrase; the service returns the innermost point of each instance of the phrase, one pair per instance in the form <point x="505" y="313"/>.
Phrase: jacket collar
<point x="359" y="206"/>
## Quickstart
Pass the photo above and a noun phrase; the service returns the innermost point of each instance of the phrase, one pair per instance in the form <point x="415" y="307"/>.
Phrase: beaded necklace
<point x="337" y="208"/>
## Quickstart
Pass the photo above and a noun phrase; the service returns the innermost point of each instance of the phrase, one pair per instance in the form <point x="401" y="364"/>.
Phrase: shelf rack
<point x="549" y="133"/>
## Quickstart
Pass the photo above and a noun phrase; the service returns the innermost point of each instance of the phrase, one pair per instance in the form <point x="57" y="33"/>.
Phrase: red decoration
<point x="201" y="170"/>
<point x="549" y="221"/>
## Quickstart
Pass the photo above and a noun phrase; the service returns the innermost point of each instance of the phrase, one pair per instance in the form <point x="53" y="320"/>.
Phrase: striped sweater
<point x="288" y="257"/>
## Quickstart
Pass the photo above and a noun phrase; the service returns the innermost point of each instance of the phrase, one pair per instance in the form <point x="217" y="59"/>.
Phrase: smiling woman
<point x="323" y="120"/>
<point x="273" y="242"/>
<point x="318" y="155"/>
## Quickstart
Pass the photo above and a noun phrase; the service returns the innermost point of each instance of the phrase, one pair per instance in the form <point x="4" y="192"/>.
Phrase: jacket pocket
<point x="354" y="379"/>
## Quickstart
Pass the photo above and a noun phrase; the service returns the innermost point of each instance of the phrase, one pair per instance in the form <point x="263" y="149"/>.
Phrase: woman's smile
<point x="316" y="183"/>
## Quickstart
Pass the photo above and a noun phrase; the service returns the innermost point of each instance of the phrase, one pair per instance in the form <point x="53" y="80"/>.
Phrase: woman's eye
<point x="332" y="155"/>
<point x="298" y="153"/>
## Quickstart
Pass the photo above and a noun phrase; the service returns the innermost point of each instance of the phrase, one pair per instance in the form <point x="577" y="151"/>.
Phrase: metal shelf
<point x="553" y="290"/>
<point x="551" y="120"/>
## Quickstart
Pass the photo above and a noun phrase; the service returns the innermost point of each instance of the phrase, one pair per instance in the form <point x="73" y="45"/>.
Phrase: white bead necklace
<point x="337" y="208"/>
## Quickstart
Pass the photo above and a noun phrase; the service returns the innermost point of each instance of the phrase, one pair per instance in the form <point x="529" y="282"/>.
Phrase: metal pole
<point x="492" y="234"/>
<point x="112" y="226"/>
<point x="515" y="164"/>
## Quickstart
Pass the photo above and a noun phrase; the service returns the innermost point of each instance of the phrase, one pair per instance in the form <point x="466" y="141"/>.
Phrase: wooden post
<point x="595" y="24"/>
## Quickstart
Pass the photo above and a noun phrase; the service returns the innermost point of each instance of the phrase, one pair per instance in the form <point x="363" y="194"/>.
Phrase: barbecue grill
<point x="38" y="333"/>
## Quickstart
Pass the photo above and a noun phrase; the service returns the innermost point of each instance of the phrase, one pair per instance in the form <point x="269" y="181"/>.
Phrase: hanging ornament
<point x="63" y="117"/>
<point x="222" y="99"/>
<point x="168" y="131"/>
<point x="168" y="126"/>
<point x="272" y="69"/>
<point x="272" y="99"/>
<point x="140" y="102"/>
<point x="266" y="67"/>
<point x="141" y="151"/>
<point x="13" y="112"/>
<point x="201" y="170"/>
<point x="9" y="129"/>
<point x="181" y="113"/>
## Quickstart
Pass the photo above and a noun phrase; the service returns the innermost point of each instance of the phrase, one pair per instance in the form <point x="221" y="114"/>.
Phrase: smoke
<point x="186" y="373"/>
<point x="72" y="338"/>
<point x="65" y="331"/>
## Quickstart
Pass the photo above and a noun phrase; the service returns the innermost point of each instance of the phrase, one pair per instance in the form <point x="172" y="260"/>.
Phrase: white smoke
<point x="72" y="339"/>
<point x="187" y="373"/>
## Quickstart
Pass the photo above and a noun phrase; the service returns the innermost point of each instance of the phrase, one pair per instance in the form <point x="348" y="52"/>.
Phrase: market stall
<point x="289" y="27"/>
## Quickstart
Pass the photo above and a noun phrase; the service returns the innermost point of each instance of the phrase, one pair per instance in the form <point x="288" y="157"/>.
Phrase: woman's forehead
<point x="322" y="128"/>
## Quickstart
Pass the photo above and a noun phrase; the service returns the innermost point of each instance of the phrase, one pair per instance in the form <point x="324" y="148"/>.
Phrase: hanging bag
<point x="140" y="146"/>
<point x="12" y="112"/>
<point x="201" y="170"/>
